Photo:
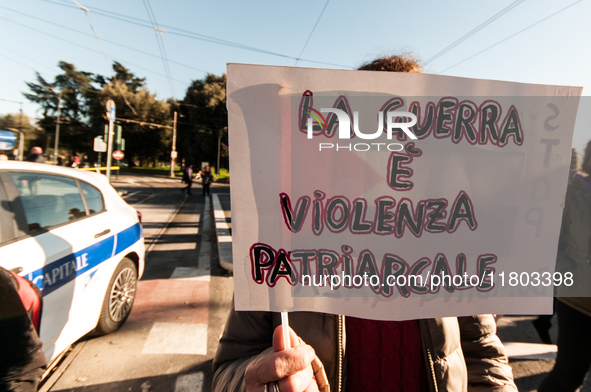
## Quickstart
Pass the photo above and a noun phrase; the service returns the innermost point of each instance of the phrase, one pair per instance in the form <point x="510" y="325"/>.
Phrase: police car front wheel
<point x="118" y="298"/>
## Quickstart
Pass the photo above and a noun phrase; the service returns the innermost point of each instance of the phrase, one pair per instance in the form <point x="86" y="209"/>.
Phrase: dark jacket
<point x="206" y="177"/>
<point x="39" y="158"/>
<point x="188" y="175"/>
<point x="22" y="361"/>
<point x="574" y="246"/>
<point x="461" y="354"/>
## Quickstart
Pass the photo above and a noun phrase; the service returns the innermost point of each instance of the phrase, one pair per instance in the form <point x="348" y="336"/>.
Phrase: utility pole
<point x="111" y="116"/>
<point x="21" y="140"/>
<point x="173" y="153"/>
<point x="21" y="144"/>
<point x="219" y="149"/>
<point x="57" y="129"/>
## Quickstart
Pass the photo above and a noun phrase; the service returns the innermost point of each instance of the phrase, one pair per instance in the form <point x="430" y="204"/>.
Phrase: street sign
<point x="118" y="155"/>
<point x="7" y="140"/>
<point x="173" y="154"/>
<point x="99" y="144"/>
<point x="111" y="110"/>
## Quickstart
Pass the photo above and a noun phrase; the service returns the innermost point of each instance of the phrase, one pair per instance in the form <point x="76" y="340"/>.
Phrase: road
<point x="170" y="337"/>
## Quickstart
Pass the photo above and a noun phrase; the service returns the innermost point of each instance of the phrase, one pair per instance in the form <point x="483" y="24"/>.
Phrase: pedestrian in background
<point x="188" y="179"/>
<point x="206" y="179"/>
<point x="574" y="313"/>
<point x="36" y="155"/>
<point x="543" y="323"/>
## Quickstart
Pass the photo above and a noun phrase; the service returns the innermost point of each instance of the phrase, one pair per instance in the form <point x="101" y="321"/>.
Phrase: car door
<point x="58" y="249"/>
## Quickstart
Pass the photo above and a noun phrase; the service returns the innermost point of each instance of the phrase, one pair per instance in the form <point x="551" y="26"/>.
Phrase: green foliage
<point x="223" y="176"/>
<point x="144" y="144"/>
<point x="77" y="93"/>
<point x="160" y="171"/>
<point x="204" y="119"/>
<point x="83" y="97"/>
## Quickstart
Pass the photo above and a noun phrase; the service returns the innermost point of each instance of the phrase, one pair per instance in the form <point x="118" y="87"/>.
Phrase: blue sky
<point x="39" y="33"/>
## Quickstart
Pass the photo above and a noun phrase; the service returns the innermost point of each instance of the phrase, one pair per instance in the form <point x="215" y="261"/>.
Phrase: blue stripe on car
<point x="128" y="237"/>
<point x="56" y="274"/>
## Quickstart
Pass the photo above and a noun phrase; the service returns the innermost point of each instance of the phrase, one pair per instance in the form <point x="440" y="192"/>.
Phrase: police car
<point x="72" y="235"/>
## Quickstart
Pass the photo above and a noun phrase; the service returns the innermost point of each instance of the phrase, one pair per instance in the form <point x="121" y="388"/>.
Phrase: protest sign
<point x="395" y="196"/>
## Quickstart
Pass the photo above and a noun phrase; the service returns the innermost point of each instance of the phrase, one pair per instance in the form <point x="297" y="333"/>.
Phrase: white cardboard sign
<point x="337" y="209"/>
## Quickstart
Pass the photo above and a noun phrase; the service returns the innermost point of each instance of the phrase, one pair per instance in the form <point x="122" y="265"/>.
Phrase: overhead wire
<point x="18" y="62"/>
<point x="158" y="32"/>
<point x="312" y="32"/>
<point x="513" y="35"/>
<point x="86" y="11"/>
<point x="474" y="31"/>
<point x="91" y="50"/>
<point x="26" y="58"/>
<point x="198" y="36"/>
<point x="101" y="38"/>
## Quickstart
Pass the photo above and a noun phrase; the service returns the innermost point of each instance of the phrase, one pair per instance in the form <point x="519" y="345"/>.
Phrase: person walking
<point x="206" y="179"/>
<point x="36" y="155"/>
<point x="188" y="179"/>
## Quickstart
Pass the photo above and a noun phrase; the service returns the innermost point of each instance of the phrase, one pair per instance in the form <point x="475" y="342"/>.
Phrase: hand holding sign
<point x="291" y="368"/>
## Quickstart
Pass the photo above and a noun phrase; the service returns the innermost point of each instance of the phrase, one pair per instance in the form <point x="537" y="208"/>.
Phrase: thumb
<point x="278" y="344"/>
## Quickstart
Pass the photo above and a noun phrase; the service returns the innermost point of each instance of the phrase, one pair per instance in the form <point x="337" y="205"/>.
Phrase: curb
<point x="223" y="234"/>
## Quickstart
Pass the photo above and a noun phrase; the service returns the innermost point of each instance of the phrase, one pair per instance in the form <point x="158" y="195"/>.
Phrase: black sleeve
<point x="22" y="361"/>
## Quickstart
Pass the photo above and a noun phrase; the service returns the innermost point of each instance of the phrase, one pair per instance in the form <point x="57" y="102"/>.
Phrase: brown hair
<point x="586" y="164"/>
<point x="396" y="63"/>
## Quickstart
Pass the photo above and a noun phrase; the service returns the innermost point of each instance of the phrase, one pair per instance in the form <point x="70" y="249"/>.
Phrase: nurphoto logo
<point x="342" y="117"/>
<point x="345" y="123"/>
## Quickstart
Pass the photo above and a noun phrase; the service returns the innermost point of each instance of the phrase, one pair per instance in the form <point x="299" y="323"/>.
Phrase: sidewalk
<point x="223" y="225"/>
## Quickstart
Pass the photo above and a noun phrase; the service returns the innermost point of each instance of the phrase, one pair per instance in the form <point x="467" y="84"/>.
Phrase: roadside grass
<point x="161" y="171"/>
<point x="223" y="176"/>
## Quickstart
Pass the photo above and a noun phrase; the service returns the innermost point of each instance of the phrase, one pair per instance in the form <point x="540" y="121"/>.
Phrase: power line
<point x="86" y="11"/>
<point x="26" y="58"/>
<point x="93" y="32"/>
<point x="18" y="62"/>
<point x="8" y="100"/>
<point x="101" y="38"/>
<point x="198" y="36"/>
<point x="312" y="32"/>
<point x="512" y="35"/>
<point x="475" y="30"/>
<point x="158" y="31"/>
<point x="91" y="50"/>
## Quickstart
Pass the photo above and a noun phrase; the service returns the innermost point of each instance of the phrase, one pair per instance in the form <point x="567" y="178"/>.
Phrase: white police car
<point x="70" y="233"/>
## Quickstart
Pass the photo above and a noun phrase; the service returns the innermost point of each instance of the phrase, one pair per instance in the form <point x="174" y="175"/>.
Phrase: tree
<point x="75" y="91"/>
<point x="123" y="74"/>
<point x="83" y="112"/>
<point x="205" y="120"/>
<point x="145" y="144"/>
